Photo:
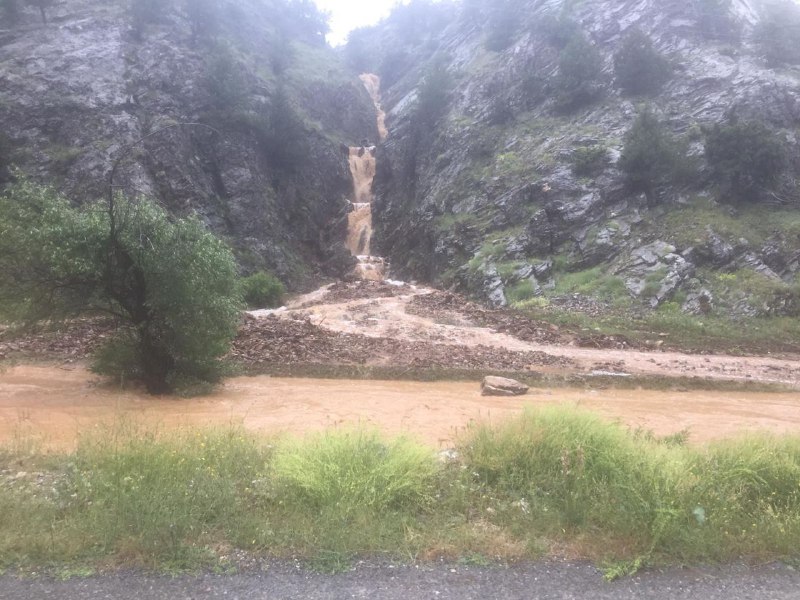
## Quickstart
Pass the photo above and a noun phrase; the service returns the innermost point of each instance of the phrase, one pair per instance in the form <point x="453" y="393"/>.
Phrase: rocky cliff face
<point x="487" y="199"/>
<point x="264" y="169"/>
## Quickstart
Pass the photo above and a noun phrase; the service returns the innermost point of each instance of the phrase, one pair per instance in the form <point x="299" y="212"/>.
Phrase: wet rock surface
<point x="502" y="386"/>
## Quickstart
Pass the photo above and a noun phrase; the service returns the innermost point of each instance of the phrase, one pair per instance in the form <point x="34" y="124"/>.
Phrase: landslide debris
<point x="297" y="342"/>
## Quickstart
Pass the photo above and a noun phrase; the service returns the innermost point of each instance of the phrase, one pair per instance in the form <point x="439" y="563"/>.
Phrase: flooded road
<point x="51" y="406"/>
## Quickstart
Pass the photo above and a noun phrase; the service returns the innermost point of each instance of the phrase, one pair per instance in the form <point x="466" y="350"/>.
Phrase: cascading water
<point x="362" y="169"/>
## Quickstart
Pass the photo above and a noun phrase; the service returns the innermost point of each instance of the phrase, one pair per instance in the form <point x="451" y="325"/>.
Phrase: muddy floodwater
<point x="52" y="406"/>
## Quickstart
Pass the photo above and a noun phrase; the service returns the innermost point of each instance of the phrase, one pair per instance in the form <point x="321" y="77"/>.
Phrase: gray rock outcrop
<point x="502" y="386"/>
<point x="491" y="187"/>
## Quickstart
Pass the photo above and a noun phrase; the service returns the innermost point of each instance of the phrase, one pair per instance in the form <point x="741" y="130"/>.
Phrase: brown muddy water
<point x="49" y="407"/>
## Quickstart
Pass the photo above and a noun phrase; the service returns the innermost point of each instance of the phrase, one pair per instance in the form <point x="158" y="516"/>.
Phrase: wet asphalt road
<point x="550" y="581"/>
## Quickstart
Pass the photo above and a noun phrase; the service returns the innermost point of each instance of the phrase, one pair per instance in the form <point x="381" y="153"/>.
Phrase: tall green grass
<point x="623" y="495"/>
<point x="554" y="478"/>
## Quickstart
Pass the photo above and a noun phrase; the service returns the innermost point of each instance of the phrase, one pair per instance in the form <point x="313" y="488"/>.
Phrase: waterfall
<point x="362" y="169"/>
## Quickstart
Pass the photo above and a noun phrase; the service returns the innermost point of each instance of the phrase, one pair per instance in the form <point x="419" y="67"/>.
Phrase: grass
<point x="679" y="330"/>
<point x="687" y="226"/>
<point x="592" y="282"/>
<point x="546" y="482"/>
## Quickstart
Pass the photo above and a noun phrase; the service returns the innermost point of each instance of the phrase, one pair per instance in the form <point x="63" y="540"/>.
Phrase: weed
<point x="554" y="476"/>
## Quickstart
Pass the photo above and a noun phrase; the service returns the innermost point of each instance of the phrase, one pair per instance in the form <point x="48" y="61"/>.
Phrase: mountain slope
<point x="486" y="181"/>
<point x="264" y="169"/>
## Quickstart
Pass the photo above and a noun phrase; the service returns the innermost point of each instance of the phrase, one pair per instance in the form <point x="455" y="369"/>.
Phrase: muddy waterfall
<point x="362" y="169"/>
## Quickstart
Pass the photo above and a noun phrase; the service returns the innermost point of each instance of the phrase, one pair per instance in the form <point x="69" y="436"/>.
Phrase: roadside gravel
<point x="539" y="581"/>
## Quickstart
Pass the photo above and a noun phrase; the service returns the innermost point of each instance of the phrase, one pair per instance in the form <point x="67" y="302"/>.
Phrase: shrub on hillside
<point x="579" y="79"/>
<point x="650" y="155"/>
<point x="744" y="157"/>
<point x="225" y="81"/>
<point x="262" y="290"/>
<point x="589" y="160"/>
<point x="639" y="68"/>
<point x="778" y="33"/>
<point x="6" y="154"/>
<point x="502" y="24"/>
<point x="558" y="31"/>
<point x="433" y="94"/>
<point x="280" y="131"/>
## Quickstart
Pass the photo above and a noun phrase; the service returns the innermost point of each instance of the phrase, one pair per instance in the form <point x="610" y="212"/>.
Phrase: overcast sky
<point x="347" y="15"/>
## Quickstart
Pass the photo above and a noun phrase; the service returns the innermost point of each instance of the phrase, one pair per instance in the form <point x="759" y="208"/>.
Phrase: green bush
<point x="579" y="79"/>
<point x="744" y="157"/>
<point x="262" y="290"/>
<point x="588" y="161"/>
<point x="351" y="472"/>
<point x="118" y="358"/>
<point x="650" y="155"/>
<point x="168" y="280"/>
<point x="777" y="33"/>
<point x="638" y="67"/>
<point x="583" y="470"/>
<point x="579" y="474"/>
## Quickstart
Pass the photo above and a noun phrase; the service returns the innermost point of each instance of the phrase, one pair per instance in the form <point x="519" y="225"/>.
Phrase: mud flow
<point x="50" y="407"/>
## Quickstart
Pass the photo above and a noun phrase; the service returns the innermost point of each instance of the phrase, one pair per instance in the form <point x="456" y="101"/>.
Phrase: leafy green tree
<point x="580" y="68"/>
<point x="171" y="284"/>
<point x="639" y="68"/>
<point x="778" y="33"/>
<point x="744" y="157"/>
<point x="650" y="154"/>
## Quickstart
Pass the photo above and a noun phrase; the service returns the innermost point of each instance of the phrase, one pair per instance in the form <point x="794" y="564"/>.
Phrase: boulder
<point x="502" y="386"/>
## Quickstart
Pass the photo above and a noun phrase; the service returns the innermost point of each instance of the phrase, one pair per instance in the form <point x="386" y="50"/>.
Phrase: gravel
<point x="539" y="581"/>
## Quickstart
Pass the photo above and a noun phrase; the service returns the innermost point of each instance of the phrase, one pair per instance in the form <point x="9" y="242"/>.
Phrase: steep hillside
<point x="275" y="104"/>
<point x="513" y="168"/>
